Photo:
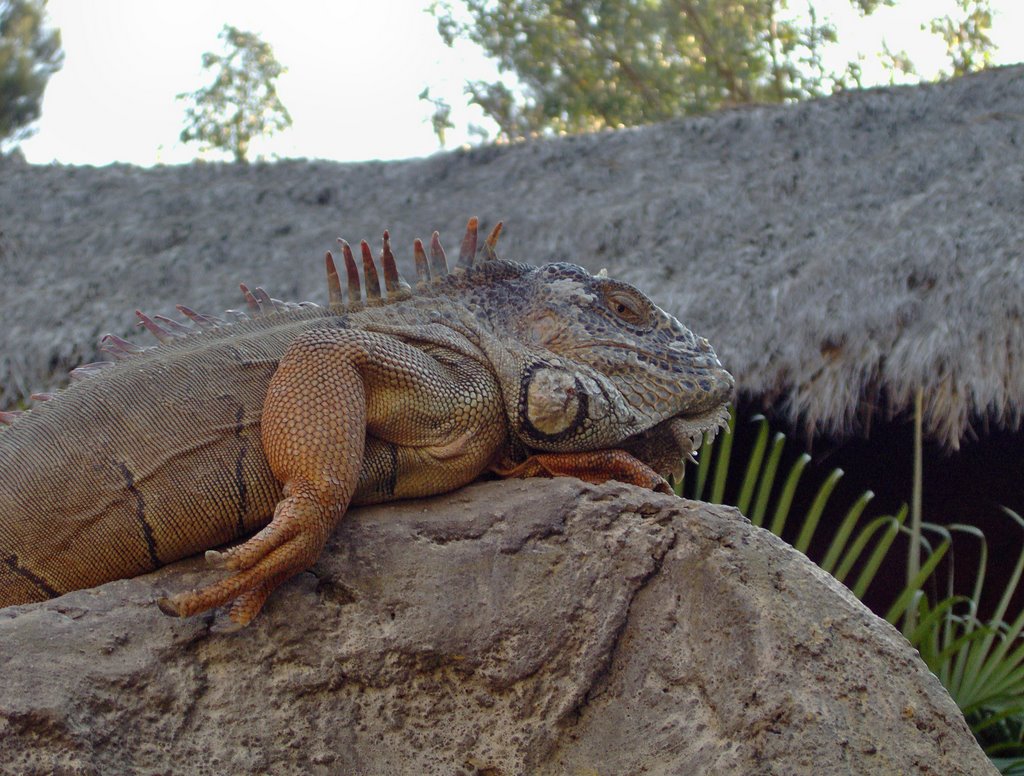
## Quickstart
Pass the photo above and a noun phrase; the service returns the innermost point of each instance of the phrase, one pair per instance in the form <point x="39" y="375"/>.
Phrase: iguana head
<point x="600" y="365"/>
<point x="584" y="362"/>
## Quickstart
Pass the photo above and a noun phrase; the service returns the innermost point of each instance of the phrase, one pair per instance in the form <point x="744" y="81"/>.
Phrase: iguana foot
<point x="289" y="544"/>
<point x="596" y="466"/>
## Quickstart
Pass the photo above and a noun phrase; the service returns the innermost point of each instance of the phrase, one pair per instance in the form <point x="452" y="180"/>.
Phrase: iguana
<point x="277" y="421"/>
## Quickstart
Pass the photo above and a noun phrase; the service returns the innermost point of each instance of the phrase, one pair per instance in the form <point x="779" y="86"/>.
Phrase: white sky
<point x="355" y="70"/>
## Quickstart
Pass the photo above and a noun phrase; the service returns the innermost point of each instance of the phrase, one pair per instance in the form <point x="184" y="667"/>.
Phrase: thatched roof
<point x="875" y="246"/>
<point x="838" y="254"/>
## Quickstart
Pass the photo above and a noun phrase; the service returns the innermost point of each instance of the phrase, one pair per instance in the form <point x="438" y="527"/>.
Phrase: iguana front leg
<point x="332" y="389"/>
<point x="595" y="466"/>
<point x="313" y="431"/>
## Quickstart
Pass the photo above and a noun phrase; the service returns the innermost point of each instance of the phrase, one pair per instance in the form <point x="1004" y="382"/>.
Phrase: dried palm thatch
<point x="886" y="260"/>
<point x="839" y="254"/>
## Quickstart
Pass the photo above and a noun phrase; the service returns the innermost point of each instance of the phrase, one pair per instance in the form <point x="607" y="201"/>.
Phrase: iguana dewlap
<point x="276" y="422"/>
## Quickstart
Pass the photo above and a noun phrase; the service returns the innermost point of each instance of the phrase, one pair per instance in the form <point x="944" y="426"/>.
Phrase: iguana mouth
<point x="668" y="445"/>
<point x="689" y="432"/>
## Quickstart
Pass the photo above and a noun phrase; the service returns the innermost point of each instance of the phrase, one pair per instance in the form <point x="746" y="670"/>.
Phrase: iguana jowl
<point x="278" y="421"/>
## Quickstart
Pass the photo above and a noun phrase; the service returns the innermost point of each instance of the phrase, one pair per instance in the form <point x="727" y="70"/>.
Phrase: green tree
<point x="587" y="64"/>
<point x="968" y="44"/>
<point x="242" y="101"/>
<point x="29" y="54"/>
<point x="441" y="118"/>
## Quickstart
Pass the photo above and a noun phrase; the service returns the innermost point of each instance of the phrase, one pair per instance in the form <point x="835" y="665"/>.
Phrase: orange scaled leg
<point x="313" y="431"/>
<point x="596" y="466"/>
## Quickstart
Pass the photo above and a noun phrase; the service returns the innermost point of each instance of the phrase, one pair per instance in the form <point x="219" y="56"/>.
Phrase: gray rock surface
<point x="519" y="627"/>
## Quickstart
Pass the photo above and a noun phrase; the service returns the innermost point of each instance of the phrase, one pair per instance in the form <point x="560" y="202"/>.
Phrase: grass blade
<point x="914" y="586"/>
<point x="842" y="536"/>
<point x="764" y="487"/>
<point x="864" y="536"/>
<point x="810" y="522"/>
<point x="786" y="497"/>
<point x="722" y="460"/>
<point x="867" y="574"/>
<point x="704" y="463"/>
<point x="753" y="465"/>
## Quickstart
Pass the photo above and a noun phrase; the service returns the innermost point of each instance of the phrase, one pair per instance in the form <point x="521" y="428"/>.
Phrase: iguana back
<point x="300" y="411"/>
<point x="120" y="475"/>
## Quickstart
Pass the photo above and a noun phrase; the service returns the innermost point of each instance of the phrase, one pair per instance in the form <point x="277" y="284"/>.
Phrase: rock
<point x="540" y="627"/>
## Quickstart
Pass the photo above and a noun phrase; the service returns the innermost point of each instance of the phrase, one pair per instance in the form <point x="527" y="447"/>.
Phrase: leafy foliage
<point x="586" y="64"/>
<point x="981" y="664"/>
<point x="29" y="55"/>
<point x="968" y="44"/>
<point x="582" y="65"/>
<point x="441" y="119"/>
<point x="242" y="101"/>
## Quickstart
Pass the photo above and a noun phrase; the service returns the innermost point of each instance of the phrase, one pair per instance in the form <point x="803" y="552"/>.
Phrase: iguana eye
<point x="627" y="307"/>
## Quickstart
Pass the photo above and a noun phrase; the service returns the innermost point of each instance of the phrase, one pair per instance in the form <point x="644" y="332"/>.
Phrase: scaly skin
<point x="277" y="424"/>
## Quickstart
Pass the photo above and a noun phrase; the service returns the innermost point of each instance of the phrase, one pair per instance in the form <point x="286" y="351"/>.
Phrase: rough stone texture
<point x="830" y="250"/>
<point x="540" y="627"/>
